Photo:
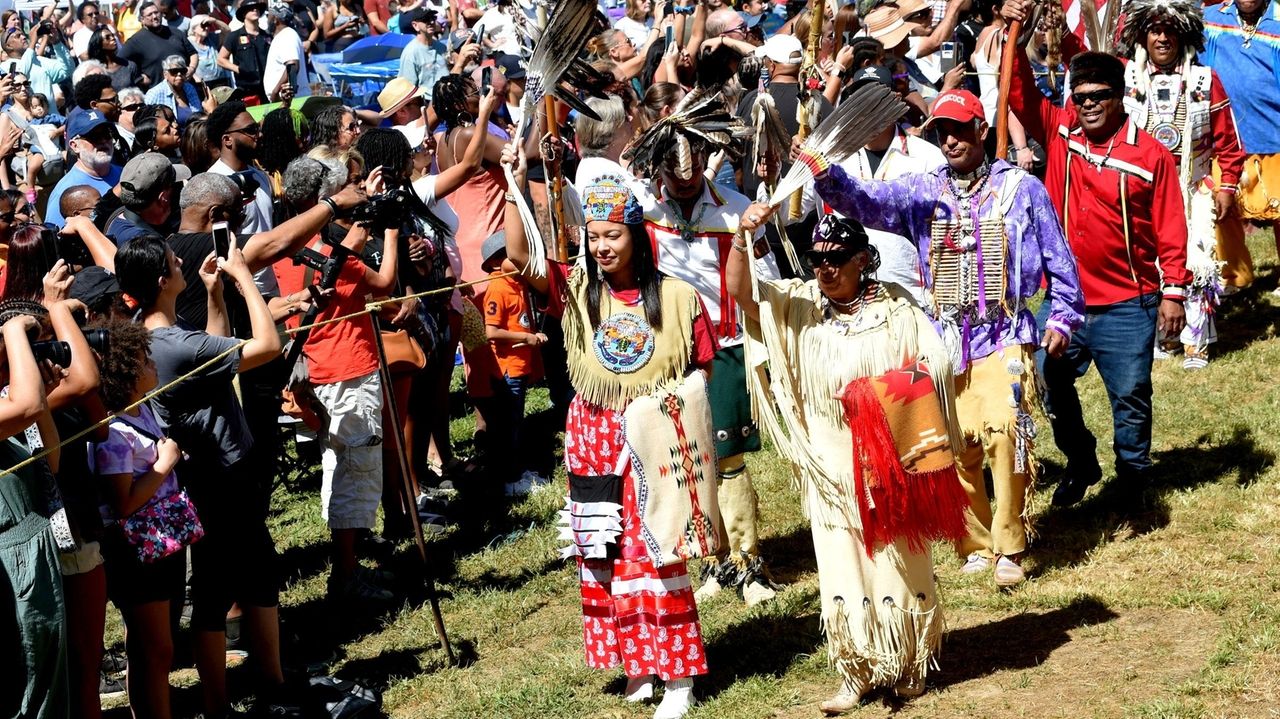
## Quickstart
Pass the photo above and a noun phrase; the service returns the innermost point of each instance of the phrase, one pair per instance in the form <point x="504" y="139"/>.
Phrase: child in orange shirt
<point x="508" y="319"/>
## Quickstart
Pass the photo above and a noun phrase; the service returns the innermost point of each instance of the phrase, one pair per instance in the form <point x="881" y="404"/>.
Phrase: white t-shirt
<point x="930" y="65"/>
<point x="500" y="30"/>
<point x="636" y="32"/>
<point x="899" y="257"/>
<point x="286" y="47"/>
<point x="257" y="218"/>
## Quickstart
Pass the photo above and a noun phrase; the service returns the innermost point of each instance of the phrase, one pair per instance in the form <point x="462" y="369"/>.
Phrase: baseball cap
<point x="958" y="105"/>
<point x="144" y="176"/>
<point x="509" y="66"/>
<point x="785" y="49"/>
<point x="83" y="123"/>
<point x="91" y="285"/>
<point x="872" y="73"/>
<point x="398" y="92"/>
<point x="421" y="14"/>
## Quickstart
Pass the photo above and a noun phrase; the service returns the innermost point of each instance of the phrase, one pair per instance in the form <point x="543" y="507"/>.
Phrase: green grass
<point x="1162" y="611"/>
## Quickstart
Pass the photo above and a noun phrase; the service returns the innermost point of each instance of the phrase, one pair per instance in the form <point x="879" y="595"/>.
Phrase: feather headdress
<point x="700" y="122"/>
<point x="855" y="122"/>
<point x="1184" y="17"/>
<point x="1100" y="31"/>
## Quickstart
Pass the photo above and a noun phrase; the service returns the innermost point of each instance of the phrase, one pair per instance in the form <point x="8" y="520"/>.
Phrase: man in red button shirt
<point x="1120" y="199"/>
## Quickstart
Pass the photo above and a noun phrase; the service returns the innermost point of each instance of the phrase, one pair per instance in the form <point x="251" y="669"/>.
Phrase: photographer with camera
<point x="33" y="615"/>
<point x="235" y="561"/>
<point x="75" y="523"/>
<point x="342" y="366"/>
<point x="39" y="252"/>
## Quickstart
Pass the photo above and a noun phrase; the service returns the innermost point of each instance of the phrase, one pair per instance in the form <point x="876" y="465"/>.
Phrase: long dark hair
<point x="324" y="129"/>
<point x="33" y="250"/>
<point x="145" y="130"/>
<point x="389" y="149"/>
<point x="95" y="46"/>
<point x="645" y="267"/>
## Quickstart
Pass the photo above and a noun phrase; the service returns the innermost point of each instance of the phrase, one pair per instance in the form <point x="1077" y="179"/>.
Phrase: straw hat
<point x="886" y="25"/>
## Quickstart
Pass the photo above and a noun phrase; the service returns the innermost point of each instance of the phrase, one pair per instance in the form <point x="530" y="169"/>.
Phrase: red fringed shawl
<point x="903" y="467"/>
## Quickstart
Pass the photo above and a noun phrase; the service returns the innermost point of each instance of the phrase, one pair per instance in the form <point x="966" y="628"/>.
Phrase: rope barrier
<point x="369" y="309"/>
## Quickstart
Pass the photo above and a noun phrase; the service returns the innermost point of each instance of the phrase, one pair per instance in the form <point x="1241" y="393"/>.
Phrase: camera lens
<point x="99" y="340"/>
<point x="55" y="351"/>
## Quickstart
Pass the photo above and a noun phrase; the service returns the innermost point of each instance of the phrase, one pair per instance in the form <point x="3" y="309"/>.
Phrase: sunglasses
<point x="26" y="83"/>
<point x="1097" y="96"/>
<point x="133" y="107"/>
<point x="109" y="100"/>
<point x="813" y="259"/>
<point x="351" y="127"/>
<point x="251" y="130"/>
<point x="176" y="71"/>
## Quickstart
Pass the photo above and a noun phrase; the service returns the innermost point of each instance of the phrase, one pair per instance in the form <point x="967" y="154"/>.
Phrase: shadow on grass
<point x="1247" y="316"/>
<point x="1021" y="641"/>
<point x="1070" y="533"/>
<point x="759" y="644"/>
<point x="790" y="555"/>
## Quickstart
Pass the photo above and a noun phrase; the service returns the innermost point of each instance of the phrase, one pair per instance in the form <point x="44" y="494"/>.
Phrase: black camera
<point x="59" y="352"/>
<point x="55" y="351"/>
<point x="383" y="210"/>
<point x="45" y="28"/>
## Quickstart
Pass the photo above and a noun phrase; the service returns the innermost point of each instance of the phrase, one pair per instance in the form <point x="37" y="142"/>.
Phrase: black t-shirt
<point x="192" y="305"/>
<point x="249" y="53"/>
<point x="148" y="48"/>
<point x="786" y="99"/>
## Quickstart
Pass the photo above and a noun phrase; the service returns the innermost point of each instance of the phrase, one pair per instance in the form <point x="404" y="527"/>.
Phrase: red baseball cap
<point x="958" y="105"/>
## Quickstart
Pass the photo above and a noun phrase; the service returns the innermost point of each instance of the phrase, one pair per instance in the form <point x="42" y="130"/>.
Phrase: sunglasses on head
<point x="813" y="259"/>
<point x="1097" y="96"/>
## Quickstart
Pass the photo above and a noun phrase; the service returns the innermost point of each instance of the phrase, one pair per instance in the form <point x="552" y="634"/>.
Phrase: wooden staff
<point x="406" y="488"/>
<point x="1007" y="57"/>
<point x="555" y="184"/>
<point x="817" y="16"/>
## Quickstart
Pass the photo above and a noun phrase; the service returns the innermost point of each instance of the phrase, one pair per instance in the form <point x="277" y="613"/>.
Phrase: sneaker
<point x="1009" y="572"/>
<point x="358" y="591"/>
<point x="518" y="488"/>
<point x="677" y="699"/>
<point x="114" y="662"/>
<point x="976" y="564"/>
<point x="1161" y="353"/>
<point x="639" y="689"/>
<point x="757" y="592"/>
<point x="1071" y="490"/>
<point x="110" y="687"/>
<point x="433" y="524"/>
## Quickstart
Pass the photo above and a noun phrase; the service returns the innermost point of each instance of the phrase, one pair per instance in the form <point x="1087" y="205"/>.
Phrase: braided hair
<point x="449" y="98"/>
<point x="389" y="149"/>
<point x="281" y="135"/>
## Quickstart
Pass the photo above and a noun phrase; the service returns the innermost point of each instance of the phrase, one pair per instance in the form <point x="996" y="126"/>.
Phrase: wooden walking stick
<point x="1007" y="57"/>
<point x="406" y="487"/>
